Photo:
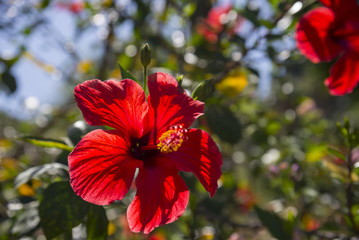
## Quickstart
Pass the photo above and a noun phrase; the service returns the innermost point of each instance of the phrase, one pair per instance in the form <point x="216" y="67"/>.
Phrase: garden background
<point x="289" y="151"/>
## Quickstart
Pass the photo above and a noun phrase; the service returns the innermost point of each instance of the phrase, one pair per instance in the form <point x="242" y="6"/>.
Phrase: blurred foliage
<point x="290" y="171"/>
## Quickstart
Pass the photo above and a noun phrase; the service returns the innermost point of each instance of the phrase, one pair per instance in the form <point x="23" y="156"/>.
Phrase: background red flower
<point x="217" y="18"/>
<point x="330" y="32"/>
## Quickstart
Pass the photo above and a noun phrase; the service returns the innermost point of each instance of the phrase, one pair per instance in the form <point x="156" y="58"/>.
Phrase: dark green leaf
<point x="278" y="227"/>
<point x="268" y="24"/>
<point x="274" y="36"/>
<point x="50" y="169"/>
<point x="204" y="90"/>
<point x="252" y="70"/>
<point x="75" y="134"/>
<point x="9" y="80"/>
<point x="10" y="62"/>
<point x="97" y="223"/>
<point x="222" y="122"/>
<point x="44" y="142"/>
<point x="60" y="209"/>
<point x="251" y="15"/>
<point x="62" y="158"/>
<point x="126" y="74"/>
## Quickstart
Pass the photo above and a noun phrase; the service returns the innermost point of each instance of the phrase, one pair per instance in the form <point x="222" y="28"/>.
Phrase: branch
<point x="349" y="190"/>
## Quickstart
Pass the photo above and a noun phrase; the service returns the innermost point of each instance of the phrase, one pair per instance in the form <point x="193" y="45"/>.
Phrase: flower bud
<point x="145" y="54"/>
<point x="179" y="79"/>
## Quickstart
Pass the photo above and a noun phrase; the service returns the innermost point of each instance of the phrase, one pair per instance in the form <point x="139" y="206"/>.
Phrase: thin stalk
<point x="145" y="79"/>
<point x="349" y="190"/>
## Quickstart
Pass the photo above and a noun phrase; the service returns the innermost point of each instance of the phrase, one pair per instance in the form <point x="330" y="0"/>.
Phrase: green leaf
<point x="44" y="4"/>
<point x="189" y="9"/>
<point x="253" y="71"/>
<point x="336" y="153"/>
<point x="62" y="158"/>
<point x="222" y="122"/>
<point x="268" y="24"/>
<point x="9" y="81"/>
<point x="274" y="3"/>
<point x="37" y="172"/>
<point x="126" y="74"/>
<point x="278" y="227"/>
<point x="97" y="223"/>
<point x="45" y="142"/>
<point x="60" y="209"/>
<point x="204" y="90"/>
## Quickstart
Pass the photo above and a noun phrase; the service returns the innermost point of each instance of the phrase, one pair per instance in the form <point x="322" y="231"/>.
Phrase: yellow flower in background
<point x="28" y="189"/>
<point x="115" y="74"/>
<point x="8" y="166"/>
<point x="84" y="66"/>
<point x="233" y="84"/>
<point x="111" y="228"/>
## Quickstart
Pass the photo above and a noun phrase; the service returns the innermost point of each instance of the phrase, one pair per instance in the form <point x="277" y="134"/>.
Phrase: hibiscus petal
<point x="313" y="35"/>
<point x="162" y="197"/>
<point x="169" y="105"/>
<point x="199" y="154"/>
<point x="118" y="104"/>
<point x="327" y="3"/>
<point x="344" y="75"/>
<point x="346" y="25"/>
<point x="348" y="34"/>
<point x="101" y="169"/>
<point x="351" y="42"/>
<point x="342" y="9"/>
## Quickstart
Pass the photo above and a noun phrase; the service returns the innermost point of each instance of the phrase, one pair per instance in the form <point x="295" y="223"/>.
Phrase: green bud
<point x="204" y="90"/>
<point x="179" y="79"/>
<point x="145" y="54"/>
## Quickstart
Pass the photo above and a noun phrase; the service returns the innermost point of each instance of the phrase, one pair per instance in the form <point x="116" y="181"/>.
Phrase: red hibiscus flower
<point x="325" y="33"/>
<point x="152" y="136"/>
<point x="213" y="25"/>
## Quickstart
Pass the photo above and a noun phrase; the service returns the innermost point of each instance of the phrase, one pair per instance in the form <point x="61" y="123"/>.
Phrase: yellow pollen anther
<point x="172" y="140"/>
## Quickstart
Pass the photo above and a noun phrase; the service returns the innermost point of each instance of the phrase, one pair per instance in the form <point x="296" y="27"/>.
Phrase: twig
<point x="349" y="189"/>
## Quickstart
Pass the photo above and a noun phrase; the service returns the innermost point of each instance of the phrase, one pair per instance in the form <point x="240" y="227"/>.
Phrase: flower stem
<point x="145" y="79"/>
<point x="349" y="190"/>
